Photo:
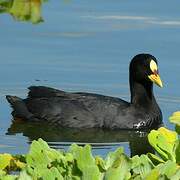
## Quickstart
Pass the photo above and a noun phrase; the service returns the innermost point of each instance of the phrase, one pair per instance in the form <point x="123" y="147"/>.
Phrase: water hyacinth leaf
<point x="9" y="177"/>
<point x="168" y="169"/>
<point x="112" y="156"/>
<point x="44" y="173"/>
<point x="24" y="176"/>
<point x="20" y="10"/>
<point x="155" y="159"/>
<point x="19" y="164"/>
<point x="177" y="129"/>
<point x="163" y="141"/>
<point x="43" y="162"/>
<point x="5" y="5"/>
<point x="23" y="10"/>
<point x="8" y="162"/>
<point x="120" y="169"/>
<point x="177" y="151"/>
<point x="67" y="169"/>
<point x="2" y="172"/>
<point x="40" y="158"/>
<point x="5" y="160"/>
<point x="153" y="175"/>
<point x="36" y="12"/>
<point x="141" y="165"/>
<point x="170" y="136"/>
<point x="37" y="155"/>
<point x="69" y="157"/>
<point x="153" y="140"/>
<point x="85" y="162"/>
<point x="176" y="175"/>
<point x="100" y="163"/>
<point x="175" y="118"/>
<point x="51" y="173"/>
<point x="168" y="148"/>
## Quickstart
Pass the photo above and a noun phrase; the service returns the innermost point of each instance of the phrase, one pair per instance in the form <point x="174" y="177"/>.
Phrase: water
<point x="87" y="46"/>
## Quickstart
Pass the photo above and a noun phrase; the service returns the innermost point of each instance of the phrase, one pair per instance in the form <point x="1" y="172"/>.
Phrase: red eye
<point x="155" y="72"/>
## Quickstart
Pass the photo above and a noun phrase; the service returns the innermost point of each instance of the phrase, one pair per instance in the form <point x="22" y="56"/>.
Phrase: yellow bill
<point x="155" y="78"/>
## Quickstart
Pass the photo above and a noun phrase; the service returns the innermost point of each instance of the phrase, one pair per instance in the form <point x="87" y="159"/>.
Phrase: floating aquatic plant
<point x="43" y="162"/>
<point x="23" y="10"/>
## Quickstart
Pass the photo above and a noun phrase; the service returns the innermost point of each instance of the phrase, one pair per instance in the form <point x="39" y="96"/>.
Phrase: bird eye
<point x="153" y="67"/>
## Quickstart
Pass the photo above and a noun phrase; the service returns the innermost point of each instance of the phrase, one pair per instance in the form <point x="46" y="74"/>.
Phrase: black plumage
<point x="88" y="110"/>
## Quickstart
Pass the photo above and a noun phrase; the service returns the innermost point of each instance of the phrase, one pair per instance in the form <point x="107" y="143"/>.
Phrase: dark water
<point x="87" y="46"/>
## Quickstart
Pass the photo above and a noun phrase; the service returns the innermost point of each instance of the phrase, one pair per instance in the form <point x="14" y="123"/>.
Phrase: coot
<point x="88" y="110"/>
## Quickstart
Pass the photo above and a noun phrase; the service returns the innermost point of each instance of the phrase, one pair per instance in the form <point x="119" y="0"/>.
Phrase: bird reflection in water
<point x="61" y="138"/>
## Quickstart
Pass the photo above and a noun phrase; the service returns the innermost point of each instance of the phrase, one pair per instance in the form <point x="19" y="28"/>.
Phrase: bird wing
<point x="42" y="91"/>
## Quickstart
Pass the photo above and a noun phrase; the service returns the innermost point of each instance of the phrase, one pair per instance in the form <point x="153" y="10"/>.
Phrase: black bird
<point x="88" y="110"/>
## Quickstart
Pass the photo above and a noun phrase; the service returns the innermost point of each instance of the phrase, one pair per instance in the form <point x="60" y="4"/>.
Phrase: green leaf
<point x="169" y="135"/>
<point x="51" y="173"/>
<point x="163" y="141"/>
<point x="42" y="158"/>
<point x="175" y="118"/>
<point x="26" y="10"/>
<point x="100" y="163"/>
<point x="141" y="165"/>
<point x="42" y="155"/>
<point x="112" y="156"/>
<point x="85" y="162"/>
<point x="176" y="175"/>
<point x="24" y="176"/>
<point x="20" y="10"/>
<point x="36" y="12"/>
<point x="177" y="151"/>
<point x="167" y="147"/>
<point x="168" y="169"/>
<point x="38" y="154"/>
<point x="8" y="177"/>
<point x="177" y="129"/>
<point x="155" y="159"/>
<point x="43" y="162"/>
<point x="2" y="173"/>
<point x="153" y="175"/>
<point x="153" y="140"/>
<point x="5" y="160"/>
<point x="120" y="169"/>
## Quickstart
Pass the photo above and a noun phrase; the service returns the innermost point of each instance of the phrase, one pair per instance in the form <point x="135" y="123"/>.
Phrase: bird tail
<point x="19" y="108"/>
<point x="13" y="99"/>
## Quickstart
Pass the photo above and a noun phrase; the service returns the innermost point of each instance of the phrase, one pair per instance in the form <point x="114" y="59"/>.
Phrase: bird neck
<point x="142" y="93"/>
